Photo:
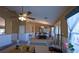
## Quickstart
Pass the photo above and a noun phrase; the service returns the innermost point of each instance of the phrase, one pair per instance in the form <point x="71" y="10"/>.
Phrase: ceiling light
<point x="22" y="18"/>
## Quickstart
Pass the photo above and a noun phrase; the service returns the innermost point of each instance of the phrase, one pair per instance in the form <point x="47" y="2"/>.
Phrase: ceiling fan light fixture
<point x="22" y="18"/>
<point x="29" y="12"/>
<point x="24" y="14"/>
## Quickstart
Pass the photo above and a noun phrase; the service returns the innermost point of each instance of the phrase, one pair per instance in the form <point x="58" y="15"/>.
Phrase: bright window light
<point x="2" y="31"/>
<point x="73" y="28"/>
<point x="22" y="18"/>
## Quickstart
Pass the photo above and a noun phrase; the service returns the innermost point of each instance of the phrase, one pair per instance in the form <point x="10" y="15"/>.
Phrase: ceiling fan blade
<point x="31" y="18"/>
<point x="29" y="12"/>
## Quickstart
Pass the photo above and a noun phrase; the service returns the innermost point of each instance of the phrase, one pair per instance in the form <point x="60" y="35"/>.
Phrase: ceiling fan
<point x="25" y="16"/>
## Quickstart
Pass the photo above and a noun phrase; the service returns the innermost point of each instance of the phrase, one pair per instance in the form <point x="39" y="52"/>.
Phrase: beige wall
<point x="28" y="27"/>
<point x="11" y="24"/>
<point x="15" y="25"/>
<point x="8" y="26"/>
<point x="34" y="27"/>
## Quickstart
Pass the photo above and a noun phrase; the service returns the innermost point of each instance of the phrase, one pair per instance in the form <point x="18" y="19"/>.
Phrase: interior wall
<point x="15" y="25"/>
<point x="8" y="26"/>
<point x="28" y="27"/>
<point x="11" y="25"/>
<point x="34" y="27"/>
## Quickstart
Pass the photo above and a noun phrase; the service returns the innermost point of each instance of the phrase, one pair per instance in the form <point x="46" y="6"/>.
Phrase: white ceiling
<point x="40" y="12"/>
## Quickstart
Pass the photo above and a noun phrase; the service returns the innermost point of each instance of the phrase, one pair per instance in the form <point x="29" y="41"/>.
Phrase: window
<point x="73" y="31"/>
<point x="52" y="32"/>
<point x="2" y="25"/>
<point x="2" y="31"/>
